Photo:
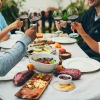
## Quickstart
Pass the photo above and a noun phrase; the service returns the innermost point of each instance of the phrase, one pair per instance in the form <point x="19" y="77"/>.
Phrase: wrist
<point x="83" y="34"/>
<point x="9" y="28"/>
<point x="65" y="25"/>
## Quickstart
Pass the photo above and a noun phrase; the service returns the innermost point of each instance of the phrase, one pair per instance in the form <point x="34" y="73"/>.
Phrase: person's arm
<point x="90" y="42"/>
<point x="6" y="37"/>
<point x="13" y="56"/>
<point x="15" y="25"/>
<point x="99" y="46"/>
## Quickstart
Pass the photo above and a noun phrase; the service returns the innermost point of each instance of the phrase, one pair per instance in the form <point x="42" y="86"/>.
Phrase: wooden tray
<point x="33" y="93"/>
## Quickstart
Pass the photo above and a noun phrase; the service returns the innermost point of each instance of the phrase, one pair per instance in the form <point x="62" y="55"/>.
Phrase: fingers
<point x="73" y="27"/>
<point x="19" y="24"/>
<point x="58" y="25"/>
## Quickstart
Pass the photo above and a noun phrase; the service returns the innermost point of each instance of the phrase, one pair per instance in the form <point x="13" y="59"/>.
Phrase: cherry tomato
<point x="46" y="62"/>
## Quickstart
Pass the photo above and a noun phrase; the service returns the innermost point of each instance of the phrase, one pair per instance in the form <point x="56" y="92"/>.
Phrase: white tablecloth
<point x="87" y="88"/>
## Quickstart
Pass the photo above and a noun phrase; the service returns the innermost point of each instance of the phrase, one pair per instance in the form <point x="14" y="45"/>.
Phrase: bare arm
<point x="6" y="37"/>
<point x="90" y="42"/>
<point x="4" y="32"/>
<point x="15" y="25"/>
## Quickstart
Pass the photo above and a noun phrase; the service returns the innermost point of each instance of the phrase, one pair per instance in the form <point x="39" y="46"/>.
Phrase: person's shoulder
<point x="90" y="10"/>
<point x="1" y="14"/>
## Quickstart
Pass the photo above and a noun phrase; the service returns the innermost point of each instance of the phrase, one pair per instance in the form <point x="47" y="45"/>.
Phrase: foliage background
<point x="10" y="9"/>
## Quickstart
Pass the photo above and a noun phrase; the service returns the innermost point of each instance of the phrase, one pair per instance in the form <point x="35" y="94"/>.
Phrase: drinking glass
<point x="34" y="15"/>
<point x="23" y="15"/>
<point x="72" y="16"/>
<point x="57" y="15"/>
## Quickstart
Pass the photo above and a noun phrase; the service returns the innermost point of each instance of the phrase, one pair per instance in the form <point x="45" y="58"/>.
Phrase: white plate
<point x="81" y="63"/>
<point x="19" y="32"/>
<point x="7" y="44"/>
<point x="64" y="40"/>
<point x="10" y="42"/>
<point x="50" y="49"/>
<point x="56" y="85"/>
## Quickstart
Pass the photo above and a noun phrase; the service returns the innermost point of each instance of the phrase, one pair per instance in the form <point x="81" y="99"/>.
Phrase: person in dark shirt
<point x="88" y="26"/>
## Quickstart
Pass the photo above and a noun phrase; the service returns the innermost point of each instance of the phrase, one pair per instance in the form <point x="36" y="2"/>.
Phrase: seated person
<point x="14" y="55"/>
<point x="3" y="25"/>
<point x="90" y="22"/>
<point x="93" y="44"/>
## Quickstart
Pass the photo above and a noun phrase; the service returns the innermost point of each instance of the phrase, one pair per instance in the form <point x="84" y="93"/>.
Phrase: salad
<point x="45" y="60"/>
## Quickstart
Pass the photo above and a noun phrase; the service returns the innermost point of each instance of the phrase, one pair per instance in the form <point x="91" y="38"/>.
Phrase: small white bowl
<point x="47" y="35"/>
<point x="64" y="80"/>
<point x="73" y="35"/>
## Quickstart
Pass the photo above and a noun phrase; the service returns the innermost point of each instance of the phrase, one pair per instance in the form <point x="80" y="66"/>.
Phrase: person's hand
<point x="31" y="32"/>
<point x="16" y="25"/>
<point x="78" y="27"/>
<point x="61" y="24"/>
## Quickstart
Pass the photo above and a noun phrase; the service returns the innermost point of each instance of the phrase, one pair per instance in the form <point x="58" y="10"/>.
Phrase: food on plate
<point x="45" y="49"/>
<point x="45" y="60"/>
<point x="65" y="55"/>
<point x="21" y="77"/>
<point x="39" y="35"/>
<point x="36" y="84"/>
<point x="30" y="66"/>
<point x="64" y="87"/>
<point x="34" y="87"/>
<point x="59" y="67"/>
<point x="67" y="86"/>
<point x="75" y="73"/>
<point x="41" y="42"/>
<point x="62" y="50"/>
<point x="57" y="45"/>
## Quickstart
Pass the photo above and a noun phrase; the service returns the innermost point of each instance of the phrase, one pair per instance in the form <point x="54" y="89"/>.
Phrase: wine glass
<point x="23" y="15"/>
<point x="34" y="15"/>
<point x="72" y="16"/>
<point x="57" y="15"/>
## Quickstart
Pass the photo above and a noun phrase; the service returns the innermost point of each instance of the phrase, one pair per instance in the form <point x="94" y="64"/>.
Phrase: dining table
<point x="86" y="88"/>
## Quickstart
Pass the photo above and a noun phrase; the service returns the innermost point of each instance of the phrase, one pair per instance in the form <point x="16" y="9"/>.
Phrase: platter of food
<point x="40" y="42"/>
<point x="34" y="88"/>
<point x="41" y="49"/>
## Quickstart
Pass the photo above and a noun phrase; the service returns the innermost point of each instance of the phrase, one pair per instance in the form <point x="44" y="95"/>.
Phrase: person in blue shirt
<point x="3" y="25"/>
<point x="9" y="59"/>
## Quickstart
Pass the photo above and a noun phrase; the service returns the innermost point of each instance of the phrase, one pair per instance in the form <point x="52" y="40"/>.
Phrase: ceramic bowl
<point x="64" y="79"/>
<point x="41" y="66"/>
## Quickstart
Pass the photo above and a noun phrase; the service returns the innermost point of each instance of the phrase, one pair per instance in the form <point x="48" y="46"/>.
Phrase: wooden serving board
<point x="35" y="93"/>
